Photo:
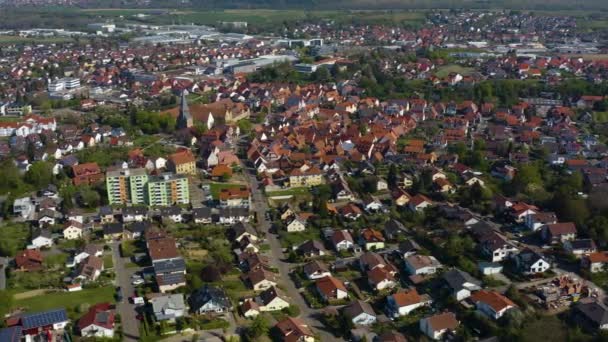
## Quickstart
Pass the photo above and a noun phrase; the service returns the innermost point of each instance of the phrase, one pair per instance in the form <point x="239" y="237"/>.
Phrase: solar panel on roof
<point x="173" y="278"/>
<point x="41" y="319"/>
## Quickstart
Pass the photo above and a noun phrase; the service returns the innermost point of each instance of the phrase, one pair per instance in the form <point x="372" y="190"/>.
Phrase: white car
<point x="138" y="282"/>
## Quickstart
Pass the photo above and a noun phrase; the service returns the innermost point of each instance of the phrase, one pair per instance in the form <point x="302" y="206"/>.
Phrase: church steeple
<point x="184" y="120"/>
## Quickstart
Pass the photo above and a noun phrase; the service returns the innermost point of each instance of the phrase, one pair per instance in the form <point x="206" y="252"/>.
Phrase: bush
<point x="292" y="310"/>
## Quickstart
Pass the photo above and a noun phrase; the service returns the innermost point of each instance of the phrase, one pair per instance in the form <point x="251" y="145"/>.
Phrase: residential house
<point x="437" y="326"/>
<point x="72" y="230"/>
<point x="106" y="214"/>
<point x="580" y="247"/>
<point x="419" y="202"/>
<point x="29" y="260"/>
<point x="559" y="232"/>
<point x="381" y="278"/>
<point x="312" y="248"/>
<point x="113" y="231"/>
<point x="182" y="162"/>
<point x="407" y="248"/>
<point x="342" y="240"/>
<point x="591" y="314"/>
<point x="235" y="197"/>
<point x="89" y="269"/>
<point x="360" y="313"/>
<point x="46" y="322"/>
<point x="202" y="215"/>
<point x="296" y="225"/>
<point x="294" y="330"/>
<point x="272" y="299"/>
<point x="422" y="264"/>
<point x="242" y="230"/>
<point x="306" y="177"/>
<point x="403" y="302"/>
<point x="41" y="238"/>
<point x="372" y="239"/>
<point x="172" y="214"/>
<point x="531" y="262"/>
<point x="492" y="304"/>
<point x="98" y="321"/>
<point x="330" y="288"/>
<point x="316" y="269"/>
<point x="260" y="279"/>
<point x="87" y="174"/>
<point x="209" y="299"/>
<point x="168" y="307"/>
<point x="595" y="262"/>
<point x="496" y="246"/>
<point x="460" y="283"/>
<point x="536" y="221"/>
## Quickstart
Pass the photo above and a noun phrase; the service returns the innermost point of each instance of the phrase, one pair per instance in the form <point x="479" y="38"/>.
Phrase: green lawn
<point x="215" y="188"/>
<point x="445" y="70"/>
<point x="290" y="192"/>
<point x="107" y="261"/>
<point x="68" y="300"/>
<point x="547" y="328"/>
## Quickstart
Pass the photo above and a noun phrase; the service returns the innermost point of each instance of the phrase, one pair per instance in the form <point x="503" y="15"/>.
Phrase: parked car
<point x="138" y="282"/>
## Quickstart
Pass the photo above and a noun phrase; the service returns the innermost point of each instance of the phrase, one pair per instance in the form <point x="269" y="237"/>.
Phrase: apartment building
<point x="168" y="189"/>
<point x="134" y="186"/>
<point x="127" y="186"/>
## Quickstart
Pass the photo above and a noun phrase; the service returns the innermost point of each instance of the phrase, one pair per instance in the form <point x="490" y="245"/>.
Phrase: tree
<point x="258" y="328"/>
<point x="40" y="174"/>
<point x="392" y="176"/>
<point x="89" y="198"/>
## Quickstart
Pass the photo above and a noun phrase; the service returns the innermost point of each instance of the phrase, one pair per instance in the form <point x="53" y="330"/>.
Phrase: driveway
<point x="276" y="257"/>
<point x="130" y="324"/>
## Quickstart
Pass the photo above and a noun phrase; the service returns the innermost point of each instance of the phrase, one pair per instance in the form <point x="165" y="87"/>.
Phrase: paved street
<point x="130" y="324"/>
<point x="311" y="316"/>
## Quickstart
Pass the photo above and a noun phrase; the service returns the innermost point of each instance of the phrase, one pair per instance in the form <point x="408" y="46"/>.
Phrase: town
<point x="317" y="180"/>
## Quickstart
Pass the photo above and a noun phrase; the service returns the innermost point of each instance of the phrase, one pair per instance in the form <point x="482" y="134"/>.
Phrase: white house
<point x="492" y="304"/>
<point x="72" y="230"/>
<point x="530" y="262"/>
<point x="436" y="326"/>
<point x="296" y="225"/>
<point x="41" y="238"/>
<point x="422" y="264"/>
<point x="404" y="302"/>
<point x="342" y="240"/>
<point x="360" y="313"/>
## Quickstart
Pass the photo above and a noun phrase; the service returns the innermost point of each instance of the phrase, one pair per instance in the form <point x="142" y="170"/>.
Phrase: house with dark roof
<point x="202" y="215"/>
<point x="209" y="299"/>
<point x="113" y="231"/>
<point x="360" y="313"/>
<point x="460" y="283"/>
<point x="591" y="314"/>
<point x="168" y="307"/>
<point x="531" y="262"/>
<point x="315" y="269"/>
<point x="52" y="320"/>
<point x="580" y="247"/>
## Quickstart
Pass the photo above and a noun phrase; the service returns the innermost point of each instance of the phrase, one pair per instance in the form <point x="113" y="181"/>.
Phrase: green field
<point x="261" y="17"/>
<point x="68" y="300"/>
<point x="289" y="192"/>
<point x="7" y="40"/>
<point x="445" y="70"/>
<point x="215" y="188"/>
